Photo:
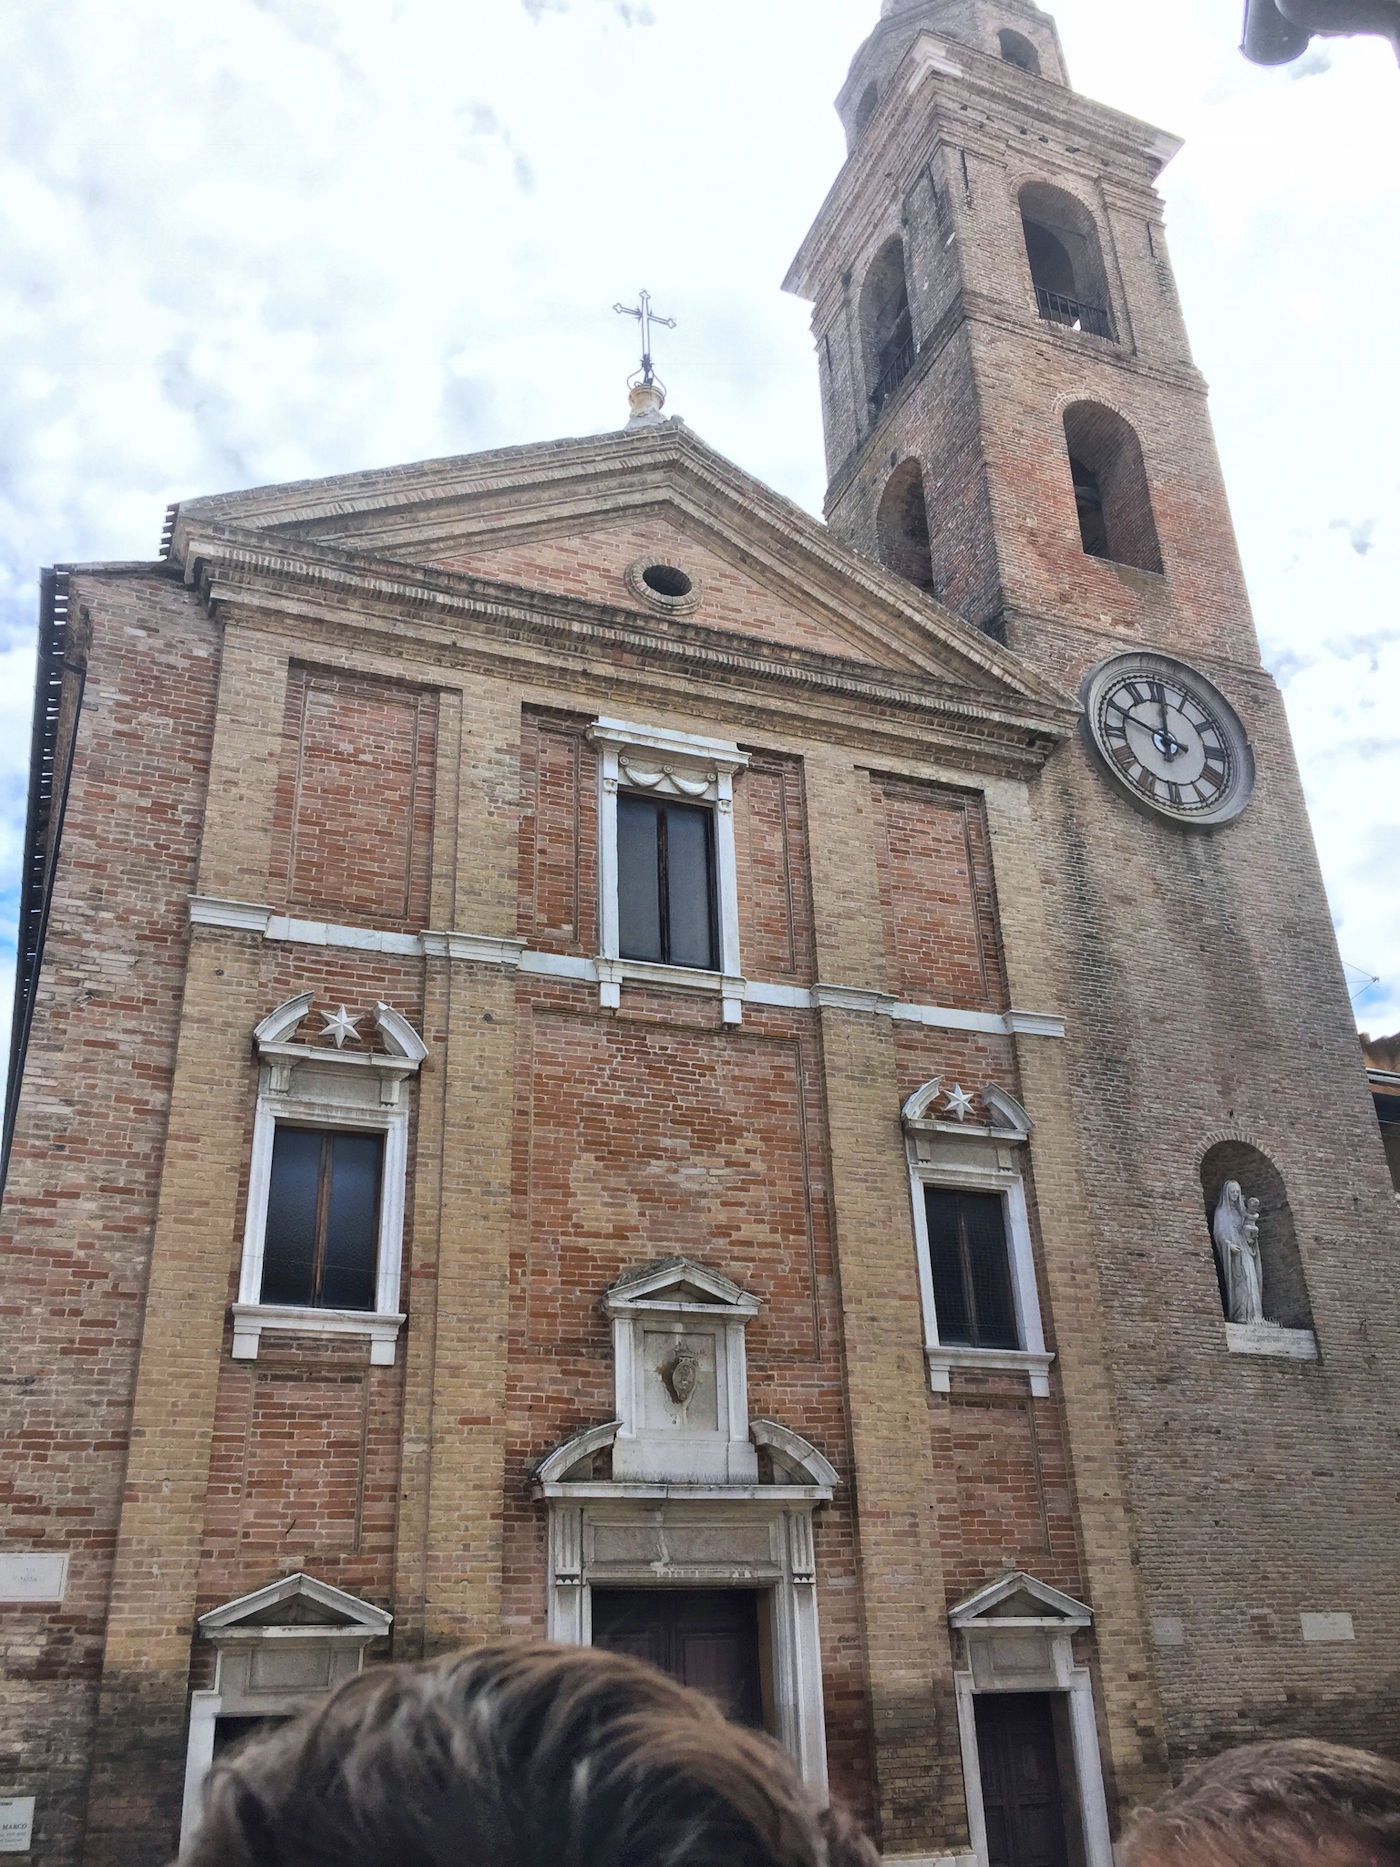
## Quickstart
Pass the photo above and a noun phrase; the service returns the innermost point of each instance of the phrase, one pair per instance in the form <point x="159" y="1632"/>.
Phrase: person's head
<point x="1279" y="1804"/>
<point x="516" y="1756"/>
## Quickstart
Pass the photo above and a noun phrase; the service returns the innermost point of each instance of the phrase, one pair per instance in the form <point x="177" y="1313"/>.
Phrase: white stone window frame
<point x="273" y="1670"/>
<point x="1029" y="1653"/>
<point x="654" y="761"/>
<point x="980" y="1158"/>
<point x="338" y="1091"/>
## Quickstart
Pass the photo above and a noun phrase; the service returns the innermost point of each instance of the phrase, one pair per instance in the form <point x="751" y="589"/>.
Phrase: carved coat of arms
<point x="681" y="1373"/>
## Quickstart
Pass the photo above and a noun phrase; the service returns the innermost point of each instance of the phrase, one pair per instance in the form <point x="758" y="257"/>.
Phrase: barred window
<point x="972" y="1288"/>
<point x="322" y="1242"/>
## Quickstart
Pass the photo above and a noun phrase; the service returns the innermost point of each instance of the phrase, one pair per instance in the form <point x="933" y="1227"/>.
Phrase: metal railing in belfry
<point x="893" y="374"/>
<point x="1074" y="316"/>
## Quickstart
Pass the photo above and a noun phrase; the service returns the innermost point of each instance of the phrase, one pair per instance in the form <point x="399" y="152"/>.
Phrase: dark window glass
<point x="638" y="878"/>
<point x="971" y="1269"/>
<point x="289" y="1246"/>
<point x="322" y="1238"/>
<point x="666" y="882"/>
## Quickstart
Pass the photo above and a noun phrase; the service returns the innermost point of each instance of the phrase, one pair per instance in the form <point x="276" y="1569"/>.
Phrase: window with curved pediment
<point x="972" y="1233"/>
<point x="323" y="1232"/>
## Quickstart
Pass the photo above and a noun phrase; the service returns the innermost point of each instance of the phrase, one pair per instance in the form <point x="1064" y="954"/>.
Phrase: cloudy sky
<point x="255" y="240"/>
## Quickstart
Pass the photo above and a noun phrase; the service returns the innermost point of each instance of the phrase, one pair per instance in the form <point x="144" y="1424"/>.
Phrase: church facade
<point x="598" y="1058"/>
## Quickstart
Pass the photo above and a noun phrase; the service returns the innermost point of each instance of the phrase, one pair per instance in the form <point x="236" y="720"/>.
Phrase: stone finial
<point x="647" y="400"/>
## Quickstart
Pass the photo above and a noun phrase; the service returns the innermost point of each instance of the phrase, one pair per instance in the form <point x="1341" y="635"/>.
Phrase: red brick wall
<point x="86" y="1166"/>
<point x="353" y="831"/>
<point x="303" y="1472"/>
<point x="941" y="939"/>
<point x="1006" y="1454"/>
<point x="305" y="1457"/>
<point x="774" y="879"/>
<point x="654" y="1133"/>
<point x="591" y="564"/>
<point x="558" y="833"/>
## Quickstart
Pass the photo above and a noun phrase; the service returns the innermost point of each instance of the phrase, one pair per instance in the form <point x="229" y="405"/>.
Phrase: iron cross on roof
<point x="646" y="317"/>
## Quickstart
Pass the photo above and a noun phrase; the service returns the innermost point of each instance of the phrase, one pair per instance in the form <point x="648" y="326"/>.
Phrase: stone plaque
<point x="290" y="1666"/>
<point x="1323" y="1628"/>
<point x="1168" y="1630"/>
<point x="16" y="1824"/>
<point x="32" y="1576"/>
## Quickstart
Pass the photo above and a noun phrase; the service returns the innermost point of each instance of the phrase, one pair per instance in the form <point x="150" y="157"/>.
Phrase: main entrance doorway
<point x="707" y="1638"/>
<point x="1022" y="1784"/>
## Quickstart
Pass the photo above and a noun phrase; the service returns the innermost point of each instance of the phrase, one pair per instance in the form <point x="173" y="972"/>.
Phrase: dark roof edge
<point x="43" y="828"/>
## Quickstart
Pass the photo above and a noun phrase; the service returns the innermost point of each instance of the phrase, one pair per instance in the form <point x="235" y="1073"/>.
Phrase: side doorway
<point x="1022" y="1764"/>
<point x="707" y="1638"/>
<point x="1028" y="1729"/>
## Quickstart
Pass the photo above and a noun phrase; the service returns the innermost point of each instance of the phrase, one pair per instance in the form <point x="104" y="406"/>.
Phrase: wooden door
<point x="1022" y="1792"/>
<point x="705" y="1637"/>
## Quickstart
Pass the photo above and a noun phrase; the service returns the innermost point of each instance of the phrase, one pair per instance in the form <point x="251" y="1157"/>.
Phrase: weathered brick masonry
<point x="359" y="740"/>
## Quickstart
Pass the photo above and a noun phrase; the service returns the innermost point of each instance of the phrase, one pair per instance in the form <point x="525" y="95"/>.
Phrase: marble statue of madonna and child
<point x="1235" y="1229"/>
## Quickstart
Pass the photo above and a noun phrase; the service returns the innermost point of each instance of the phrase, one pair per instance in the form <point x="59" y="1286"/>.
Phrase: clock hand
<point x="1167" y="744"/>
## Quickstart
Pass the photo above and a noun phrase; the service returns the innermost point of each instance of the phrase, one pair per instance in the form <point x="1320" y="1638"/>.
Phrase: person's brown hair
<point x="516" y="1756"/>
<point x="1274" y="1805"/>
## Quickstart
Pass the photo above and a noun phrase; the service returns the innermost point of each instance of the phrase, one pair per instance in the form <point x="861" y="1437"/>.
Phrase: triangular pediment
<point x="567" y="527"/>
<point x="677" y="1283"/>
<point x="1019" y="1600"/>
<point x="296" y="1601"/>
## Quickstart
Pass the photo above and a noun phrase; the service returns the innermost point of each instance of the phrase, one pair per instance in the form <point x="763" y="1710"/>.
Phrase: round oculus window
<point x="666" y="580"/>
<point x="664" y="585"/>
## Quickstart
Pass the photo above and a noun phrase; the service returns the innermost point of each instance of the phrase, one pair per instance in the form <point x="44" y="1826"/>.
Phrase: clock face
<point x="1170" y="738"/>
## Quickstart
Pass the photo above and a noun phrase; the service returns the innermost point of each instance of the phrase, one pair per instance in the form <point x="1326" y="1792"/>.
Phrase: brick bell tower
<point x="1004" y="365"/>
<point x="1014" y="423"/>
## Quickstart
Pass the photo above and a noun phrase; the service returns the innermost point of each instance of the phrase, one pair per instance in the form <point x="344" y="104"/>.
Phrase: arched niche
<point x="902" y="529"/>
<point x="866" y="108"/>
<point x="1286" y="1302"/>
<point x="1066" y="260"/>
<point x="1017" y="50"/>
<point x="887" y="327"/>
<point x="1111" y="493"/>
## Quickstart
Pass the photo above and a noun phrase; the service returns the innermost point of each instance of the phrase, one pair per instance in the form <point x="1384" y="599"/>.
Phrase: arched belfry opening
<point x="1111" y="493"/>
<point x="1017" y="50"/>
<point x="902" y="527"/>
<point x="866" y="108"/>
<point x="887" y="326"/>
<point x="1066" y="260"/>
<point x="1250" y="1224"/>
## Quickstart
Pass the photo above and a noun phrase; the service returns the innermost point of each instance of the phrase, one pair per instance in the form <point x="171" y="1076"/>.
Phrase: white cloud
<point x="265" y="239"/>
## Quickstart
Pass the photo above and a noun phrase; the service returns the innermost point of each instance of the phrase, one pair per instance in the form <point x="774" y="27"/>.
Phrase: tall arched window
<point x="902" y="527"/>
<point x="1110" y="487"/>
<point x="866" y="108"/>
<point x="886" y="324"/>
<point x="1017" y="50"/>
<point x="1256" y="1178"/>
<point x="1066" y="260"/>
